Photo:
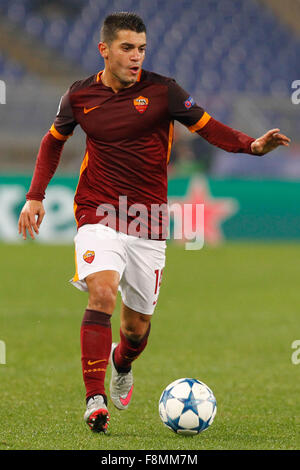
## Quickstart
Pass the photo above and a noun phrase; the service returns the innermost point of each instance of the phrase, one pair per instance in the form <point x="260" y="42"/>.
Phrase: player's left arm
<point x="183" y="108"/>
<point x="235" y="141"/>
<point x="269" y="141"/>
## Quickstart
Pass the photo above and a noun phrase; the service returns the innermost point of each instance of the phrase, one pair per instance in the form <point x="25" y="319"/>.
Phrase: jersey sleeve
<point x="64" y="123"/>
<point x="46" y="163"/>
<point x="51" y="148"/>
<point x="183" y="108"/>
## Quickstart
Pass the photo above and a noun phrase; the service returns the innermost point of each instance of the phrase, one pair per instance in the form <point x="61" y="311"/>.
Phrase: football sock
<point x="127" y="351"/>
<point x="95" y="339"/>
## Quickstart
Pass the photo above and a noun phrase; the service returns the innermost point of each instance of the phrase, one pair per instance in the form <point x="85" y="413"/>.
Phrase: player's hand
<point x="269" y="141"/>
<point x="30" y="219"/>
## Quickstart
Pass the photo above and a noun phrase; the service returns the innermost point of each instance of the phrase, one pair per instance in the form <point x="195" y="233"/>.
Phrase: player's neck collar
<point x="98" y="76"/>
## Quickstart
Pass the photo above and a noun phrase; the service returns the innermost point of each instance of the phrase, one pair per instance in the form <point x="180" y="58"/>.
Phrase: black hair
<point x="120" y="21"/>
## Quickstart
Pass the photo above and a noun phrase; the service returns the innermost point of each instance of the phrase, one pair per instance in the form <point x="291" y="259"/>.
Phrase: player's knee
<point x="102" y="297"/>
<point x="136" y="330"/>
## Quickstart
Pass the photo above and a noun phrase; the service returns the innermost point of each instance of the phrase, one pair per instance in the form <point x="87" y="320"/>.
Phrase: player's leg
<point x="139" y="285"/>
<point x="100" y="262"/>
<point x="96" y="333"/>
<point x="134" y="332"/>
<point x="96" y="339"/>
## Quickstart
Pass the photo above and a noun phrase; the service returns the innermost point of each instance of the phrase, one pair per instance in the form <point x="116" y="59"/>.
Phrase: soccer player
<point x="127" y="114"/>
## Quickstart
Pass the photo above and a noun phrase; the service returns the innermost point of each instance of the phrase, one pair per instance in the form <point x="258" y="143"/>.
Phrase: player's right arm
<point x="48" y="157"/>
<point x="31" y="217"/>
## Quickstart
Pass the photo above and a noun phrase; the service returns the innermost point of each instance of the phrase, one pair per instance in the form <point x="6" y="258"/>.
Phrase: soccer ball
<point x="187" y="406"/>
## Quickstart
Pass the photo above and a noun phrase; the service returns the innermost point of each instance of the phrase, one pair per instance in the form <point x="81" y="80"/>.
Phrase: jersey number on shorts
<point x="158" y="278"/>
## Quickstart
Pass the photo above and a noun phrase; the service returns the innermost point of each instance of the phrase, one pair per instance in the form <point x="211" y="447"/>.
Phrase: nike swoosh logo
<point x="127" y="399"/>
<point x="91" y="363"/>
<point x="88" y="110"/>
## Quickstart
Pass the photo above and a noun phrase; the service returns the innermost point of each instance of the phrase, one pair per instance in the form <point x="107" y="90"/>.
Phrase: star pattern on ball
<point x="182" y="411"/>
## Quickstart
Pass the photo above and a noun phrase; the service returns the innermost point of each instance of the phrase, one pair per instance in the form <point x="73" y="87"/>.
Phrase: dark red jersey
<point x="128" y="143"/>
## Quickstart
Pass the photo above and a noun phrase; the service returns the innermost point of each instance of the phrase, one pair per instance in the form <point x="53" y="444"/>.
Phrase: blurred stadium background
<point x="238" y="58"/>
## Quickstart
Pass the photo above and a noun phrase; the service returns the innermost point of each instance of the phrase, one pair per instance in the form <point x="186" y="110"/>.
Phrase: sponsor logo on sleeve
<point x="189" y="102"/>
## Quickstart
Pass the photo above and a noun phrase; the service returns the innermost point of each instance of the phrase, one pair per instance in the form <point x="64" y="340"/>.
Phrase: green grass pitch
<point x="226" y="315"/>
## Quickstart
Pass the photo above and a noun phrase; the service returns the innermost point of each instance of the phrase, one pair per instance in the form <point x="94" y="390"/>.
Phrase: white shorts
<point x="139" y="262"/>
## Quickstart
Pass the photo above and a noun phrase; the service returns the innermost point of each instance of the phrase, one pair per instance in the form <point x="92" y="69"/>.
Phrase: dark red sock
<point x="95" y="338"/>
<point x="127" y="351"/>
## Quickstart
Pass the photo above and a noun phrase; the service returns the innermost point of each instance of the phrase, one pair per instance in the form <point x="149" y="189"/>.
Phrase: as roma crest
<point x="89" y="256"/>
<point x="141" y="104"/>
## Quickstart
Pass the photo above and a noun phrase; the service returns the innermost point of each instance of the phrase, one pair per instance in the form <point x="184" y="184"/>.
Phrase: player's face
<point x="124" y="56"/>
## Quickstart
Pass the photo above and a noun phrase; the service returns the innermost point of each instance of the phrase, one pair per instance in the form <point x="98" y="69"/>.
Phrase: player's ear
<point x="103" y="49"/>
